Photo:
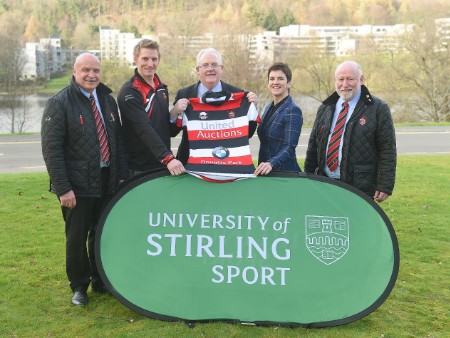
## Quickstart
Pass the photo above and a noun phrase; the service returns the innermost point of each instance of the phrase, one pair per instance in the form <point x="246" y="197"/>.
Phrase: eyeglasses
<point x="342" y="79"/>
<point x="207" y="65"/>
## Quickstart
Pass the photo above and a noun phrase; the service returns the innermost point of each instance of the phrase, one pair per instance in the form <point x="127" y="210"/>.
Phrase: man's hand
<point x="68" y="200"/>
<point x="380" y="196"/>
<point x="179" y="107"/>
<point x="253" y="98"/>
<point x="264" y="168"/>
<point x="175" y="167"/>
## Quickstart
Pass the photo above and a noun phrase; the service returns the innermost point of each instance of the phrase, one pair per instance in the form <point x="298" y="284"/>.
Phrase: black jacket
<point x="369" y="154"/>
<point x="147" y="137"/>
<point x="190" y="92"/>
<point x="70" y="144"/>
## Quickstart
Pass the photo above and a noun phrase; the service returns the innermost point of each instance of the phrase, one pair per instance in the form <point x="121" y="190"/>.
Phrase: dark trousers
<point x="81" y="225"/>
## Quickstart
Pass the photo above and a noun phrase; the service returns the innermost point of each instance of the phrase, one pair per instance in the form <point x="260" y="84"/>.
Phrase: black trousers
<point x="81" y="225"/>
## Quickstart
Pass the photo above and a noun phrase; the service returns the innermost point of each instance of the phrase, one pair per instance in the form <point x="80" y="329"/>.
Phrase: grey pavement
<point x="22" y="153"/>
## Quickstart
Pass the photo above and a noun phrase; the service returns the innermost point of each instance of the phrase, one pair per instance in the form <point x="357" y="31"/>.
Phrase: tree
<point x="82" y="35"/>
<point x="177" y="59"/>
<point x="316" y="71"/>
<point x="12" y="60"/>
<point x="241" y="69"/>
<point x="271" y="22"/>
<point x="255" y="14"/>
<point x="31" y="33"/>
<point x="424" y="65"/>
<point x="287" y="19"/>
<point x="115" y="73"/>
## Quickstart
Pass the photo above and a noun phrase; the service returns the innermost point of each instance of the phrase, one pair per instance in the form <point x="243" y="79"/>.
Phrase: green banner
<point x="279" y="250"/>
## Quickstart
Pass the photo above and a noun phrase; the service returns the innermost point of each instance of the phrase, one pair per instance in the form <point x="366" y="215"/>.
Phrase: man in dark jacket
<point x="85" y="156"/>
<point x="144" y="107"/>
<point x="209" y="69"/>
<point x="355" y="144"/>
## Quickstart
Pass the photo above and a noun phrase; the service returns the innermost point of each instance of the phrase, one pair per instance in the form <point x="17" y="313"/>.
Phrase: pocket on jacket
<point x="364" y="177"/>
<point x="77" y="172"/>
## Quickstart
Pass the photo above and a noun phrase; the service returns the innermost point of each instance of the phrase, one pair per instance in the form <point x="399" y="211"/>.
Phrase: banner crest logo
<point x="327" y="238"/>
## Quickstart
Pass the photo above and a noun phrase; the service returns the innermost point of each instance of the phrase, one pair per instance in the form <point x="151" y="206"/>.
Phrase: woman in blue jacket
<point x="281" y="125"/>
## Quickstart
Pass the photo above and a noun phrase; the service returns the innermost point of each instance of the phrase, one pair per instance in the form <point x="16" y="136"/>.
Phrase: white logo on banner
<point x="327" y="238"/>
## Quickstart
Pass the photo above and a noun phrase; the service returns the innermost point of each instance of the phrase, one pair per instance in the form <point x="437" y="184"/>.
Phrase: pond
<point x="35" y="105"/>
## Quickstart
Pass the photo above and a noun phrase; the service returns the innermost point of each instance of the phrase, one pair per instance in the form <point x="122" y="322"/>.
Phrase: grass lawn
<point x="55" y="85"/>
<point x="35" y="296"/>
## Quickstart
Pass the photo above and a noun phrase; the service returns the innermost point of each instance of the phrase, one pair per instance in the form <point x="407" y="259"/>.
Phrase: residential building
<point x="443" y="30"/>
<point x="115" y="45"/>
<point x="46" y="57"/>
<point x="42" y="58"/>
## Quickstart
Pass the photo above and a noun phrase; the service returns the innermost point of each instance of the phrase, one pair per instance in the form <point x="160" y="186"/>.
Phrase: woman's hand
<point x="264" y="168"/>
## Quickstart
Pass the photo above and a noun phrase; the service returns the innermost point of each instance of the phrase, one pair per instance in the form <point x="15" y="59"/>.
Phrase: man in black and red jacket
<point x="144" y="107"/>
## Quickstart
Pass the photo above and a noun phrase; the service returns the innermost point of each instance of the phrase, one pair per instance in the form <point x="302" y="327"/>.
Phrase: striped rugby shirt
<point x="217" y="127"/>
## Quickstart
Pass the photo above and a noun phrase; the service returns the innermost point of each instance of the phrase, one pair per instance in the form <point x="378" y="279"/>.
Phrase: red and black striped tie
<point x="101" y="133"/>
<point x="335" y="140"/>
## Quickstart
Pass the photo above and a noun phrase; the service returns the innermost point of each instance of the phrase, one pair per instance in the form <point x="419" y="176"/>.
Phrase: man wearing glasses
<point x="209" y="69"/>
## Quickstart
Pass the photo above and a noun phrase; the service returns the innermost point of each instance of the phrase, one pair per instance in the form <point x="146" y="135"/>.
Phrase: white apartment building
<point x="265" y="48"/>
<point x="119" y="46"/>
<point x="268" y="46"/>
<point x="46" y="56"/>
<point x="443" y="30"/>
<point x="341" y="40"/>
<point x="42" y="58"/>
<point x="194" y="43"/>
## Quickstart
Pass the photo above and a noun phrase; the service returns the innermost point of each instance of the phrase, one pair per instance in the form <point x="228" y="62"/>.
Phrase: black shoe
<point x="80" y="298"/>
<point x="99" y="288"/>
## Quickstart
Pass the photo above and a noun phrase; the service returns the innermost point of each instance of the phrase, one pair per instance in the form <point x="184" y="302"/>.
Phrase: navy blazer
<point x="279" y="136"/>
<point x="190" y="92"/>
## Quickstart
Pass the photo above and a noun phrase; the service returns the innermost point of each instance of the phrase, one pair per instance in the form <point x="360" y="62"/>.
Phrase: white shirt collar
<point x="202" y="89"/>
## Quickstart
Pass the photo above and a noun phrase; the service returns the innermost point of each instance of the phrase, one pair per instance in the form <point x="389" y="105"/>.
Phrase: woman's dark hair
<point x="283" y="67"/>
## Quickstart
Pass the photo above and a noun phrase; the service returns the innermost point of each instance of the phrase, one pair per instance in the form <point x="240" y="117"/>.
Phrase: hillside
<point x="77" y="21"/>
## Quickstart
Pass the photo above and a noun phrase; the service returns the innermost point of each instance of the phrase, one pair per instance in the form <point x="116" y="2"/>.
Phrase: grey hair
<point x="209" y="50"/>
<point x="354" y="65"/>
<point x="83" y="55"/>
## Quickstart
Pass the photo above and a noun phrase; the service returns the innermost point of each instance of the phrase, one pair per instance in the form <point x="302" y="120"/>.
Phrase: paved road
<point x="19" y="154"/>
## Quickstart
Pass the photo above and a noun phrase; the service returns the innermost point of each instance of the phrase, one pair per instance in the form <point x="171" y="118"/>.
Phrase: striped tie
<point x="102" y="137"/>
<point x="335" y="140"/>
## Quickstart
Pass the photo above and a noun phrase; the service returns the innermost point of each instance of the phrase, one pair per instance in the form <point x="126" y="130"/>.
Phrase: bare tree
<point x="241" y="68"/>
<point x="177" y="59"/>
<point x="313" y="68"/>
<point x="14" y="91"/>
<point x="316" y="70"/>
<point x="424" y="65"/>
<point x="115" y="72"/>
<point x="14" y="107"/>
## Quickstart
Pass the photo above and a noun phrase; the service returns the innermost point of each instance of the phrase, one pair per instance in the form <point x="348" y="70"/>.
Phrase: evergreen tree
<point x="287" y="18"/>
<point x="256" y="14"/>
<point x="271" y="22"/>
